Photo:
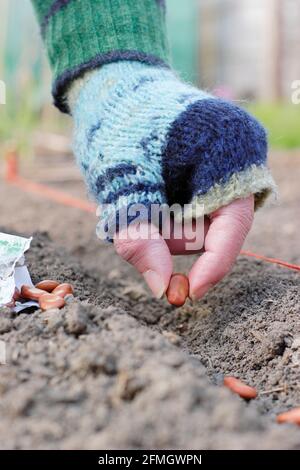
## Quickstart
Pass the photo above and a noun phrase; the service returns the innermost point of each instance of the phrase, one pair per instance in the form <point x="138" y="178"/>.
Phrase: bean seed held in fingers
<point x="47" y="285"/>
<point x="31" y="293"/>
<point x="291" y="416"/>
<point x="48" y="301"/>
<point x="178" y="290"/>
<point x="63" y="289"/>
<point x="241" y="389"/>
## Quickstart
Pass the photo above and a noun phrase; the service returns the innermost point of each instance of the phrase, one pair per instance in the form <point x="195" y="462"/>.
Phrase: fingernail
<point x="155" y="282"/>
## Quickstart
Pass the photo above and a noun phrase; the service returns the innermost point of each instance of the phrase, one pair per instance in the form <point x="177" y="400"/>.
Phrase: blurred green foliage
<point x="18" y="119"/>
<point x="282" y="120"/>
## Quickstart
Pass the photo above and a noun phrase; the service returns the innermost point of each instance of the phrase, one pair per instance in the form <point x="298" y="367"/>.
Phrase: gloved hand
<point x="142" y="136"/>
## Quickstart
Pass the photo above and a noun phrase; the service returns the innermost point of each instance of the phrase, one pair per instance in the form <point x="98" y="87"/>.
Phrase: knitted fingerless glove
<point x="141" y="135"/>
<point x="144" y="137"/>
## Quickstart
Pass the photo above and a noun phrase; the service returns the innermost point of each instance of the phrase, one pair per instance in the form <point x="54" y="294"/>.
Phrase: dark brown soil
<point x="92" y="376"/>
<point x="119" y="369"/>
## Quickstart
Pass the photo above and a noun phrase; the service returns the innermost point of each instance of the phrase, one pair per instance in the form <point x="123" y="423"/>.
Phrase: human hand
<point x="144" y="138"/>
<point x="225" y="233"/>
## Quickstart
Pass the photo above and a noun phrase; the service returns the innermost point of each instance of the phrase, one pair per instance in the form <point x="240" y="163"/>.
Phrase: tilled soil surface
<point x="117" y="369"/>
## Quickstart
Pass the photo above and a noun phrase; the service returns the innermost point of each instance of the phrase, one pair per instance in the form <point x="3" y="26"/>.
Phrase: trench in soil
<point x="247" y="326"/>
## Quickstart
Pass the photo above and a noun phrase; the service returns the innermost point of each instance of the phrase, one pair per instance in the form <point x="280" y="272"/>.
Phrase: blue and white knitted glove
<point x="144" y="137"/>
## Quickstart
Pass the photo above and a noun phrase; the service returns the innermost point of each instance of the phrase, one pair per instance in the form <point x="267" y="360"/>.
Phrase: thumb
<point x="143" y="247"/>
<point x="227" y="232"/>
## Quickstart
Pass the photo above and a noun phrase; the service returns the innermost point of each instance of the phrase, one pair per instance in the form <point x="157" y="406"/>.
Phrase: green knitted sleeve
<point x="81" y="35"/>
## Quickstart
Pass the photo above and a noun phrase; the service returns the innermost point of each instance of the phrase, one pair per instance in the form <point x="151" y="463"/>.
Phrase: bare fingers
<point x="226" y="234"/>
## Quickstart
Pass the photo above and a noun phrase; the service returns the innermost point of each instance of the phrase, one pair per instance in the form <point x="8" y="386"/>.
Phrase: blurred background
<point x="244" y="50"/>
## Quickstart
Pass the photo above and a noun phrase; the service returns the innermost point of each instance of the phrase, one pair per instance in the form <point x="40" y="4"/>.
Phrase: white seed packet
<point x="13" y="271"/>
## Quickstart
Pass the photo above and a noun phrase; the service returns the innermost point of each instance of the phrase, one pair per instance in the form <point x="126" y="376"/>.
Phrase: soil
<point x="117" y="369"/>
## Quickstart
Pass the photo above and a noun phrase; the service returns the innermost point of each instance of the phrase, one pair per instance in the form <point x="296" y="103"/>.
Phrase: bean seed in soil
<point x="291" y="416"/>
<point x="47" y="285"/>
<point x="63" y="289"/>
<point x="49" y="301"/>
<point x="17" y="294"/>
<point x="31" y="293"/>
<point x="241" y="389"/>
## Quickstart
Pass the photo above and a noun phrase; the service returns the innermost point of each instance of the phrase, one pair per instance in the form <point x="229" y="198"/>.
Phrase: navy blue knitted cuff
<point x="215" y="152"/>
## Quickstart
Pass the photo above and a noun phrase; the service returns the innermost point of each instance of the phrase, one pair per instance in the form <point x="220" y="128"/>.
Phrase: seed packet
<point x="12" y="249"/>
